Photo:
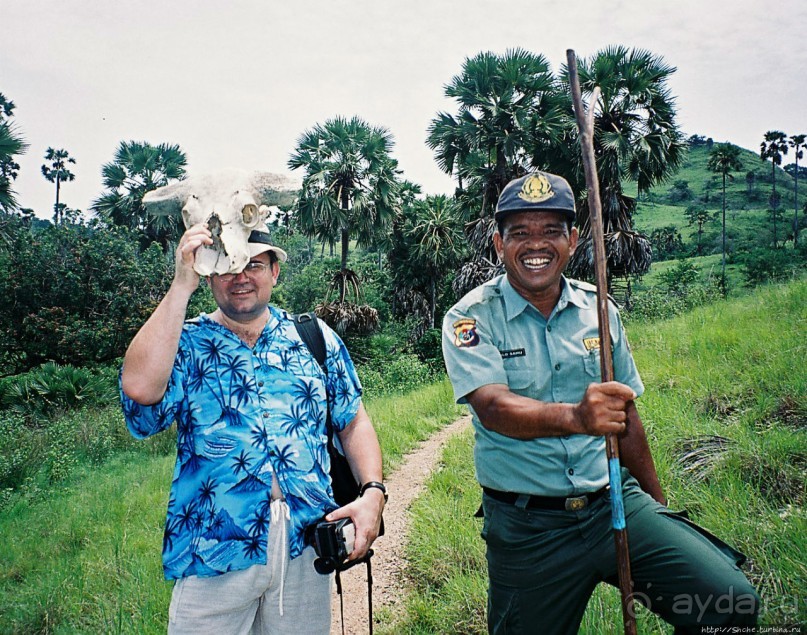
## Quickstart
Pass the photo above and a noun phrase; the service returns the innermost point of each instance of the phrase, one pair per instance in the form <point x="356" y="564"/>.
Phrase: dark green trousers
<point x="544" y="565"/>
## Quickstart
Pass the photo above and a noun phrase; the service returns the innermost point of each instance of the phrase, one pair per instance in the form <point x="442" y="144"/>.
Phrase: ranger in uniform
<point x="523" y="351"/>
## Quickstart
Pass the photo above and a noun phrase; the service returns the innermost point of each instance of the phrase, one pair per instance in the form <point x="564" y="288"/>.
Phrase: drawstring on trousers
<point x="280" y="513"/>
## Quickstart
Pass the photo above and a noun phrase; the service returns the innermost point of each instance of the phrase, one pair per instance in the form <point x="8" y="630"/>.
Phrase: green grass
<point x="733" y="370"/>
<point x="84" y="556"/>
<point x="401" y="422"/>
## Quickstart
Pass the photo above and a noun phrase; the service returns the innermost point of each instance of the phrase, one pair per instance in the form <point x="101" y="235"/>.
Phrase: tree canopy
<point x="57" y="171"/>
<point x="139" y="167"/>
<point x="12" y="144"/>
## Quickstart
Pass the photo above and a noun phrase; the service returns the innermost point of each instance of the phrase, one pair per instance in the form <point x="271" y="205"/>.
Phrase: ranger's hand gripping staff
<point x="585" y="124"/>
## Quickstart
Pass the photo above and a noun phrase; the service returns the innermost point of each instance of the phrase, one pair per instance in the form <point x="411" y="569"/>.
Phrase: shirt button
<point x="571" y="471"/>
<point x="557" y="366"/>
<point x="265" y="415"/>
<point x="549" y="327"/>
<point x="260" y="383"/>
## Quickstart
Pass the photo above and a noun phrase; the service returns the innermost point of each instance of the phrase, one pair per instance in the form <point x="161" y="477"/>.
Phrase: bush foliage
<point x="75" y="294"/>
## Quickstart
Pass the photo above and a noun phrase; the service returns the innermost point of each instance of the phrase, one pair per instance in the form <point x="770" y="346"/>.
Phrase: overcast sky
<point x="236" y="82"/>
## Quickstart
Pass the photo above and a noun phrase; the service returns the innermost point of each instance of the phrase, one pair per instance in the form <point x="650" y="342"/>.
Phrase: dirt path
<point x="404" y="485"/>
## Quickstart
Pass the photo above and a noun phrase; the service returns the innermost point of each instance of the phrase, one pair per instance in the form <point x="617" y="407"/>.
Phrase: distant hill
<point x="749" y="223"/>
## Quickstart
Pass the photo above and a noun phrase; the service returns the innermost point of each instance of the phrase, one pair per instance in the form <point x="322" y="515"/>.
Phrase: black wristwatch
<point x="377" y="485"/>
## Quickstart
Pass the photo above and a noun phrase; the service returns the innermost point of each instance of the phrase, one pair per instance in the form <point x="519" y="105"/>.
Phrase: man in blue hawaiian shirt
<point x="252" y="469"/>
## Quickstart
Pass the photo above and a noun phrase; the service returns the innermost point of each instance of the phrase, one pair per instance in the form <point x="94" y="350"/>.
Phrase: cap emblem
<point x="536" y="189"/>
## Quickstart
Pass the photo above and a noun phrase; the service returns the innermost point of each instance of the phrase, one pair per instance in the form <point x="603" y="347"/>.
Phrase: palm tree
<point x="796" y="142"/>
<point x="350" y="190"/>
<point x="723" y="159"/>
<point x="696" y="215"/>
<point x="636" y="138"/>
<point x="139" y="167"/>
<point x="57" y="172"/>
<point x="774" y="147"/>
<point x="438" y="243"/>
<point x="11" y="144"/>
<point x="510" y="116"/>
<point x="351" y="183"/>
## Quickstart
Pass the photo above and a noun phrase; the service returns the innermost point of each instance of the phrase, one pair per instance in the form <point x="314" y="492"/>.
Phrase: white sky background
<point x="236" y="82"/>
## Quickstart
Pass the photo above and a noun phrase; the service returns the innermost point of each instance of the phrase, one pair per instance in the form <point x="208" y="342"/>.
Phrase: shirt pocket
<point x="591" y="364"/>
<point x="522" y="382"/>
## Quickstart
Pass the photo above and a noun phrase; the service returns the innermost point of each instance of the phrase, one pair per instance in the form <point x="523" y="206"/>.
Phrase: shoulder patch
<point x="465" y="334"/>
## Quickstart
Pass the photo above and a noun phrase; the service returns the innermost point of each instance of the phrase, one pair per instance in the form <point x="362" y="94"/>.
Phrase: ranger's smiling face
<point x="535" y="249"/>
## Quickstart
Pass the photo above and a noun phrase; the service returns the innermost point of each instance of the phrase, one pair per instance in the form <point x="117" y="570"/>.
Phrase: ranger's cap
<point x="536" y="192"/>
<point x="260" y="240"/>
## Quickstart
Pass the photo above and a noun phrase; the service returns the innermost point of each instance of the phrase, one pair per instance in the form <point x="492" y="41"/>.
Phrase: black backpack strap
<point x="310" y="332"/>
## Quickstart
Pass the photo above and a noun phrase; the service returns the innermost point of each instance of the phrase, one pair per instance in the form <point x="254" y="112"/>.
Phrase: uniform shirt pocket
<point x="591" y="364"/>
<point x="522" y="381"/>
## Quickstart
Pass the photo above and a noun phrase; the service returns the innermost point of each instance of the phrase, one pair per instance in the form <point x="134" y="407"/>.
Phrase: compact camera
<point x="333" y="543"/>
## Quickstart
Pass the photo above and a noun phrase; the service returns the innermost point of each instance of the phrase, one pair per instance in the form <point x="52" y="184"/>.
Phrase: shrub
<point x="399" y="373"/>
<point x="678" y="292"/>
<point x="52" y="388"/>
<point x="21" y="451"/>
<point x="75" y="294"/>
<point x="429" y="349"/>
<point x="768" y="265"/>
<point x="301" y="292"/>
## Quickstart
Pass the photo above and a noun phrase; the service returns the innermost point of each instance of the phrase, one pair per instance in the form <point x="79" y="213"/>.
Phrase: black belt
<point x="569" y="504"/>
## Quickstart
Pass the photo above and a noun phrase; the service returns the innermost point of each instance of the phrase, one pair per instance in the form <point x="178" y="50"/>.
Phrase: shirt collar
<point x="515" y="303"/>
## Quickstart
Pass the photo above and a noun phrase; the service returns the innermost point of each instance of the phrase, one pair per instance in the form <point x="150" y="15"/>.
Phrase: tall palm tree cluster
<point x="775" y="146"/>
<point x="515" y="116"/>
<point x="350" y="189"/>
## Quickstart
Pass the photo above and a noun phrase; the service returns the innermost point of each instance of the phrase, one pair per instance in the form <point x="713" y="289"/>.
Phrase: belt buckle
<point x="576" y="503"/>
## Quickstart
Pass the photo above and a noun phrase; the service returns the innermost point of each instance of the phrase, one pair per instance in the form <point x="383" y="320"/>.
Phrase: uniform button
<point x="571" y="471"/>
<point x="557" y="366"/>
<point x="549" y="327"/>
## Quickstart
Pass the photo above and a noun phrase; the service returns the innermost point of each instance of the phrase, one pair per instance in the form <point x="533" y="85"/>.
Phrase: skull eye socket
<point x="250" y="215"/>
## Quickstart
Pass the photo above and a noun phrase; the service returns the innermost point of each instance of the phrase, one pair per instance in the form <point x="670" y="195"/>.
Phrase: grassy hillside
<point x="726" y="411"/>
<point x="748" y="222"/>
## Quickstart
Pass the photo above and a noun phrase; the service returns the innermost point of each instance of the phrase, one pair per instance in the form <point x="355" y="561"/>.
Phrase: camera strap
<point x="367" y="560"/>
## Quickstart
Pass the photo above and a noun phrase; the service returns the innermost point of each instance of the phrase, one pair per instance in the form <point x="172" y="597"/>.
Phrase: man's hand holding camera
<point x="365" y="512"/>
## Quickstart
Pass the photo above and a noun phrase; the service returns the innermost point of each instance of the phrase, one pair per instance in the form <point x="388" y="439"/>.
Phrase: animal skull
<point x="231" y="203"/>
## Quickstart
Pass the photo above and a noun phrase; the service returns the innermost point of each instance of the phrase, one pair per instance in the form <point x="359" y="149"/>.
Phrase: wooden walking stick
<point x="585" y="124"/>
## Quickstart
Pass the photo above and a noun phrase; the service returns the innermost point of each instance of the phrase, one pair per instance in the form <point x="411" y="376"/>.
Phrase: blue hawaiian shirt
<point x="243" y="415"/>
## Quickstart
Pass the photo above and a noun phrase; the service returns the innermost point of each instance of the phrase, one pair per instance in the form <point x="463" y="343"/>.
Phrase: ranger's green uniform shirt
<point x="494" y="336"/>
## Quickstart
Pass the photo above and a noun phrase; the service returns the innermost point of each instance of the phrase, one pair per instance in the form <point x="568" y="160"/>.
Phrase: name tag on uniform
<point x="516" y="352"/>
<point x="591" y="343"/>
